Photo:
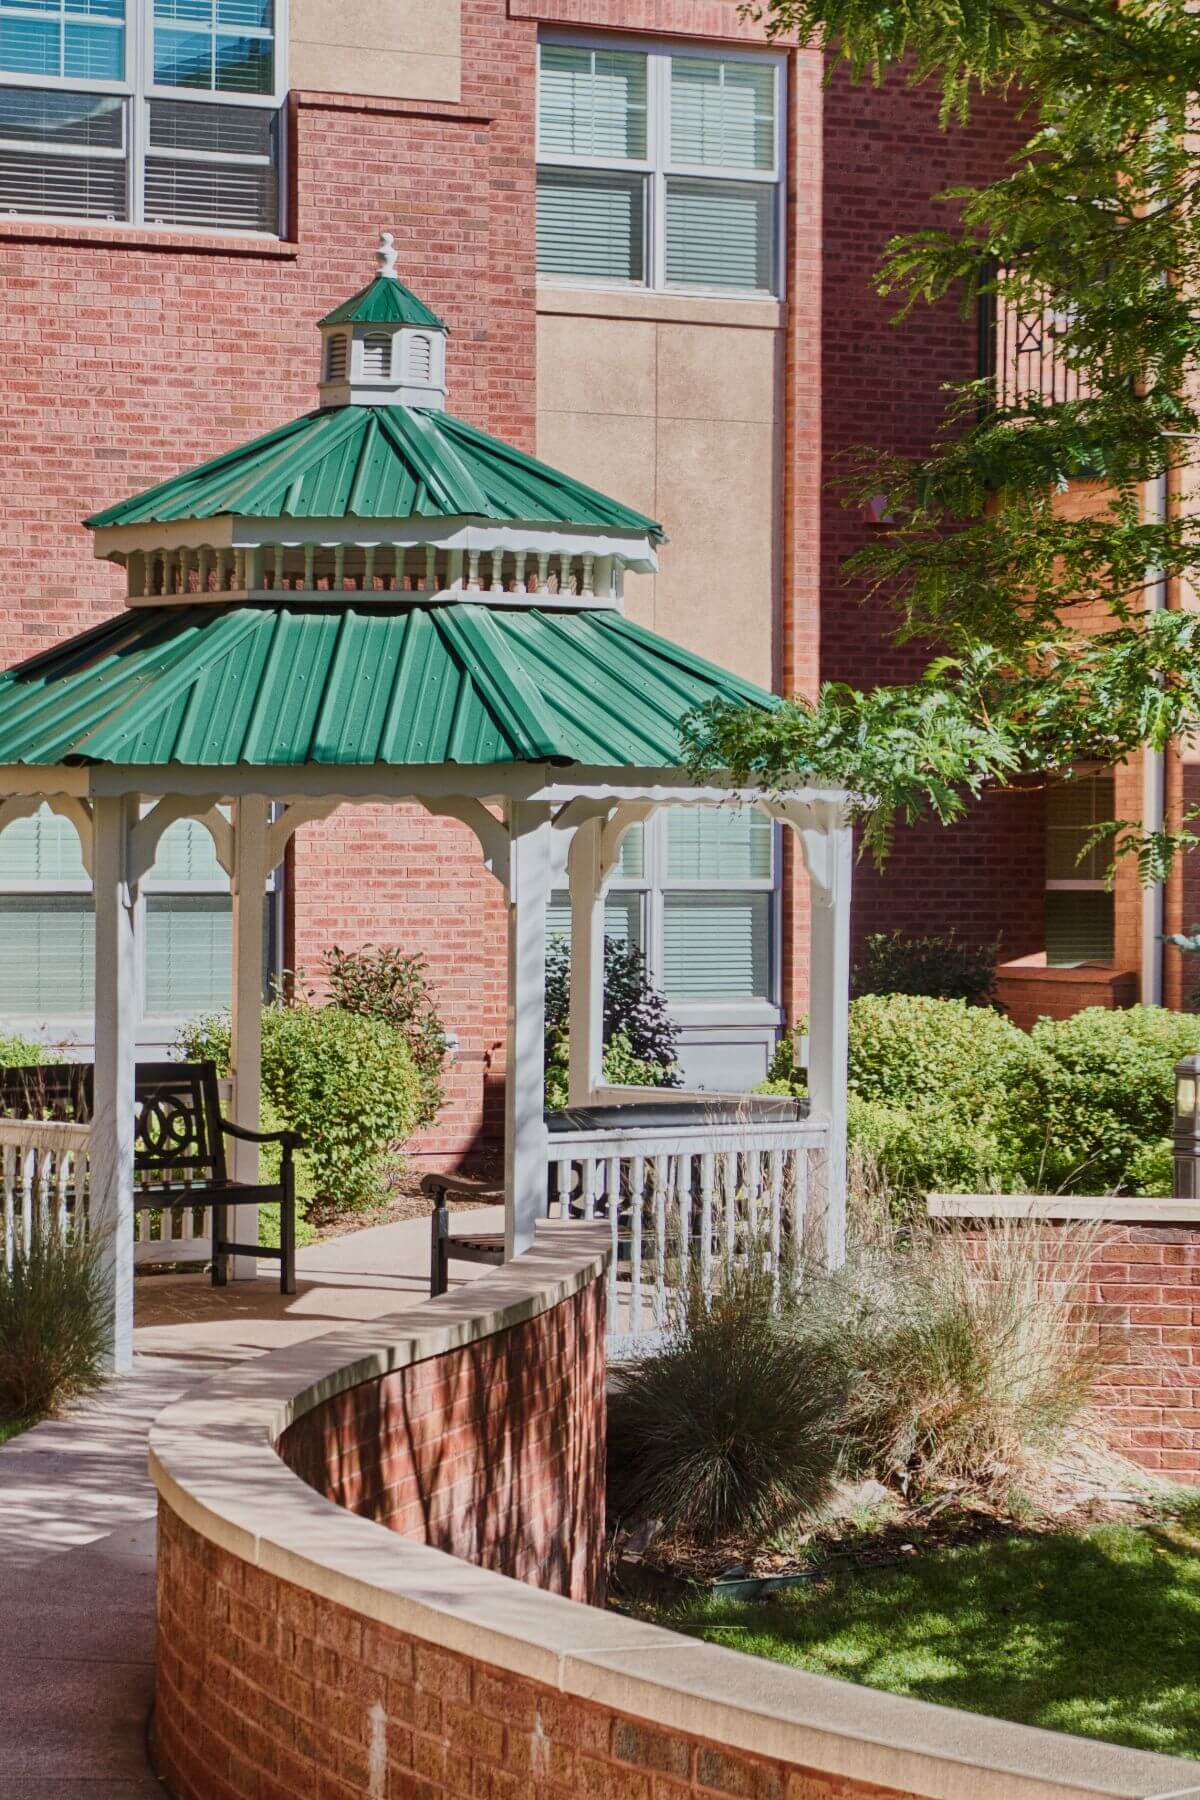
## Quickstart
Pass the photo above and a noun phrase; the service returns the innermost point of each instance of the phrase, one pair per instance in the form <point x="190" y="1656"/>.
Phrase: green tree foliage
<point x="1096" y="224"/>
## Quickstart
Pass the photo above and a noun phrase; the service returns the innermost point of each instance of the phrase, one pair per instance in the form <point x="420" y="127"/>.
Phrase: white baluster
<point x="310" y="559"/>
<point x="562" y="1186"/>
<point x="799" y="1161"/>
<point x="775" y="1179"/>
<point x="519" y="570"/>
<point x="473" y="570"/>
<point x="399" y="559"/>
<point x="706" y="1220"/>
<point x="564" y="573"/>
<point x="185" y="570"/>
<point x="661" y="1178"/>
<point x="339" y="567"/>
<point x="612" y="1181"/>
<point x="729" y="1181"/>
<point x="683" y="1187"/>
<point x="543" y="572"/>
<point x="637" y="1183"/>
<point x="368" y="579"/>
<point x="8" y="1157"/>
<point x="277" y="570"/>
<point x="431" y="568"/>
<point x="589" y="563"/>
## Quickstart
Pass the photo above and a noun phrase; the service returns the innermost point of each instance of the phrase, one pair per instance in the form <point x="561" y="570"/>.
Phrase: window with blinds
<point x="134" y="154"/>
<point x="695" y="892"/>
<point x="47" y="935"/>
<point x="659" y="169"/>
<point x="1079" y="903"/>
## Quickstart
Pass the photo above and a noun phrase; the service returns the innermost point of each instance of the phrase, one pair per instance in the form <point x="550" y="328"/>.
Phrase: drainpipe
<point x="1153" y="780"/>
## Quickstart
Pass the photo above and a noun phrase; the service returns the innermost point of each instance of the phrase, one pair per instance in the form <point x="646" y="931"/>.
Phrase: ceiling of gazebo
<point x="378" y="462"/>
<point x="283" y="686"/>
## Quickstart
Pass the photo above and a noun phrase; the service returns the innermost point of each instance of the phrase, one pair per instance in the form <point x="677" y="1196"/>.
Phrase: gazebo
<point x="379" y="602"/>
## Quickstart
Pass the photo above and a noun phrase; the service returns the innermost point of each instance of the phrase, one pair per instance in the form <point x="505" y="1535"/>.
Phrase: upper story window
<point x="659" y="168"/>
<point x="93" y="125"/>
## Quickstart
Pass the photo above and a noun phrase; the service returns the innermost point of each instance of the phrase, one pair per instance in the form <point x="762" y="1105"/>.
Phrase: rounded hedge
<point x="905" y="1047"/>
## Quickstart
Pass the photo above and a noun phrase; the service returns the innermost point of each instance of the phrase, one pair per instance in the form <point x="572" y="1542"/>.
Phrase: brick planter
<point x="307" y="1651"/>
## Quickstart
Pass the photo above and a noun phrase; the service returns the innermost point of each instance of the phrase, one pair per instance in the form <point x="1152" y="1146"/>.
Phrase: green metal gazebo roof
<point x="281" y="686"/>
<point x="378" y="462"/>
<point x="384" y="301"/>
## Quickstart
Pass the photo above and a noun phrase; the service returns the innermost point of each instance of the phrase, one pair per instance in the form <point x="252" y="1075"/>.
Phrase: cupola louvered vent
<point x="335" y="357"/>
<point x="420" y="357"/>
<point x="377" y="355"/>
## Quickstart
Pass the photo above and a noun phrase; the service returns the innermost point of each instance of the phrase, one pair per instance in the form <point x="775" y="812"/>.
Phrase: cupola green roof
<point x="384" y="301"/>
<point x="379" y="462"/>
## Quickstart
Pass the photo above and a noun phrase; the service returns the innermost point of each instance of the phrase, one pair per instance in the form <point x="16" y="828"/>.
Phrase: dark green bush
<point x="633" y="1007"/>
<point x="943" y="967"/>
<point x="621" y="1067"/>
<point x="53" y="1325"/>
<point x="346" y="1083"/>
<point x="726" y="1427"/>
<point x="1099" y="1090"/>
<point x="381" y="982"/>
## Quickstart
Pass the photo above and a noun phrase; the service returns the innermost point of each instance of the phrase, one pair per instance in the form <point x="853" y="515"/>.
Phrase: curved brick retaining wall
<point x="311" y="1652"/>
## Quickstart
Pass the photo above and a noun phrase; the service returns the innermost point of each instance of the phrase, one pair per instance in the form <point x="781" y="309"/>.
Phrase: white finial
<point x="385" y="256"/>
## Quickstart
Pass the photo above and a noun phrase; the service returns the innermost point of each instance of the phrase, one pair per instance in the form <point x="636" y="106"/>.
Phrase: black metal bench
<point x="179" y="1147"/>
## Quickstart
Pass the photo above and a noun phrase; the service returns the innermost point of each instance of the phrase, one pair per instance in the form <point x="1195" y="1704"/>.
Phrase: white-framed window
<point x="1080" y="904"/>
<point x="660" y="167"/>
<point x="47" y="936"/>
<point x="695" y="892"/>
<point x="143" y="112"/>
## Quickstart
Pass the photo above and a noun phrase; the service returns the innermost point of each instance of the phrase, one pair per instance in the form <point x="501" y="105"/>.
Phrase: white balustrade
<point x="686" y="1199"/>
<point x="43" y="1180"/>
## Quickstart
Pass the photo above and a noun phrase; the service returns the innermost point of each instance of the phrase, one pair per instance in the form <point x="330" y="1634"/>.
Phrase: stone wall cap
<point x="1108" y="1209"/>
<point x="214" y="1463"/>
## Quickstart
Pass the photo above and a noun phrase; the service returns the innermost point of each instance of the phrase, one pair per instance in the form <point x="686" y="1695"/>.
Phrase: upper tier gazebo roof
<point x="384" y="301"/>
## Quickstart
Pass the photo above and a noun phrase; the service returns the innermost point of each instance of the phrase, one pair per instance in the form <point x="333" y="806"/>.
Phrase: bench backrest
<point x="177" y="1113"/>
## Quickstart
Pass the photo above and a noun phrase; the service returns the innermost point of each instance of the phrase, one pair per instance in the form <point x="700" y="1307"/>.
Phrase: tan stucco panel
<point x="678" y="416"/>
<point x="399" y="49"/>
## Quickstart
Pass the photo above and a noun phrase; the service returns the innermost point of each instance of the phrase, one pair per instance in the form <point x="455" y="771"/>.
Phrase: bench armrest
<point x="462" y="1187"/>
<point x="291" y="1140"/>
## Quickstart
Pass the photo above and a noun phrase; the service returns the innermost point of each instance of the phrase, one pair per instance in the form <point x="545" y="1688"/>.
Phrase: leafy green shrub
<point x="381" y="982"/>
<point x="346" y="1083"/>
<point x="941" y="967"/>
<point x="725" y="1426"/>
<point x="954" y="1360"/>
<point x="21" y="1053"/>
<point x="1152" y="1170"/>
<point x="53" y="1325"/>
<point x="905" y="1047"/>
<point x="633" y="1006"/>
<point x="1099" y="1090"/>
<point x="931" y="1147"/>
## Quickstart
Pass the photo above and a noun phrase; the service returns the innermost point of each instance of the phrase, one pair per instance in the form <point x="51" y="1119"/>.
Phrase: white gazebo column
<point x="586" y="1013"/>
<point x="829" y="855"/>
<point x="530" y="832"/>
<point x="110" y="1214"/>
<point x="249" y="885"/>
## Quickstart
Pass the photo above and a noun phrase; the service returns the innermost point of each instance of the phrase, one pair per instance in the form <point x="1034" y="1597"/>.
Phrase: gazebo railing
<point x="689" y="1200"/>
<point x="43" y="1180"/>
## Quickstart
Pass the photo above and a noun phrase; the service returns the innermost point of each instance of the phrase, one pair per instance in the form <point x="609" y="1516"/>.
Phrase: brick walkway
<point x="77" y="1511"/>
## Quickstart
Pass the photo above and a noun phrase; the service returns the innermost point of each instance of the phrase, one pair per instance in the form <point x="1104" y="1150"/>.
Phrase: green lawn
<point x="1096" y="1633"/>
<point x="9" y="1428"/>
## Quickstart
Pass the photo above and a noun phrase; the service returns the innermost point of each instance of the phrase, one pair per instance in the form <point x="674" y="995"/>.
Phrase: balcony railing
<point x="1020" y="352"/>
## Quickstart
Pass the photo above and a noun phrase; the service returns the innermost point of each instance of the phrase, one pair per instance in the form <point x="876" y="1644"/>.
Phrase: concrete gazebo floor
<point x="77" y="1508"/>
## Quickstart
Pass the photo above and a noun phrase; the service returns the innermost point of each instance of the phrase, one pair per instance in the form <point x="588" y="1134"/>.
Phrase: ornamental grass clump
<point x="725" y="1428"/>
<point x="960" y="1356"/>
<point x="53" y="1328"/>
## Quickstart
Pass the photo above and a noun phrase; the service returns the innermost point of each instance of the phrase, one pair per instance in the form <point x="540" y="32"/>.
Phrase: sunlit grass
<point x="1095" y="1633"/>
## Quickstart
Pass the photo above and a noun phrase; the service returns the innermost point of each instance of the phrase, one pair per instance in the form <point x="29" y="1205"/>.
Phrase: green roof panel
<point x="393" y="684"/>
<point x="378" y="462"/>
<point x="384" y="301"/>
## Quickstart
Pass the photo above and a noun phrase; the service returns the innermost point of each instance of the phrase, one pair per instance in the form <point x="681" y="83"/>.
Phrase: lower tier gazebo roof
<point x="281" y="686"/>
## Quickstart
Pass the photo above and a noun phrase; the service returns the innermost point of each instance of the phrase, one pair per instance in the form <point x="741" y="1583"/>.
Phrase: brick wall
<point x="265" y="1690"/>
<point x="885" y="160"/>
<point x="494" y="1453"/>
<point x="1143" y="1309"/>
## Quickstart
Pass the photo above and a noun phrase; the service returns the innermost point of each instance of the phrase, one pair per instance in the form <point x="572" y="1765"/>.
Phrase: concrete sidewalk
<point x="77" y="1509"/>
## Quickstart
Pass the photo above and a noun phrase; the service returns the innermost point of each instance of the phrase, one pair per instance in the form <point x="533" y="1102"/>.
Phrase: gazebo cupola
<point x="383" y="347"/>
<point x="380" y="493"/>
